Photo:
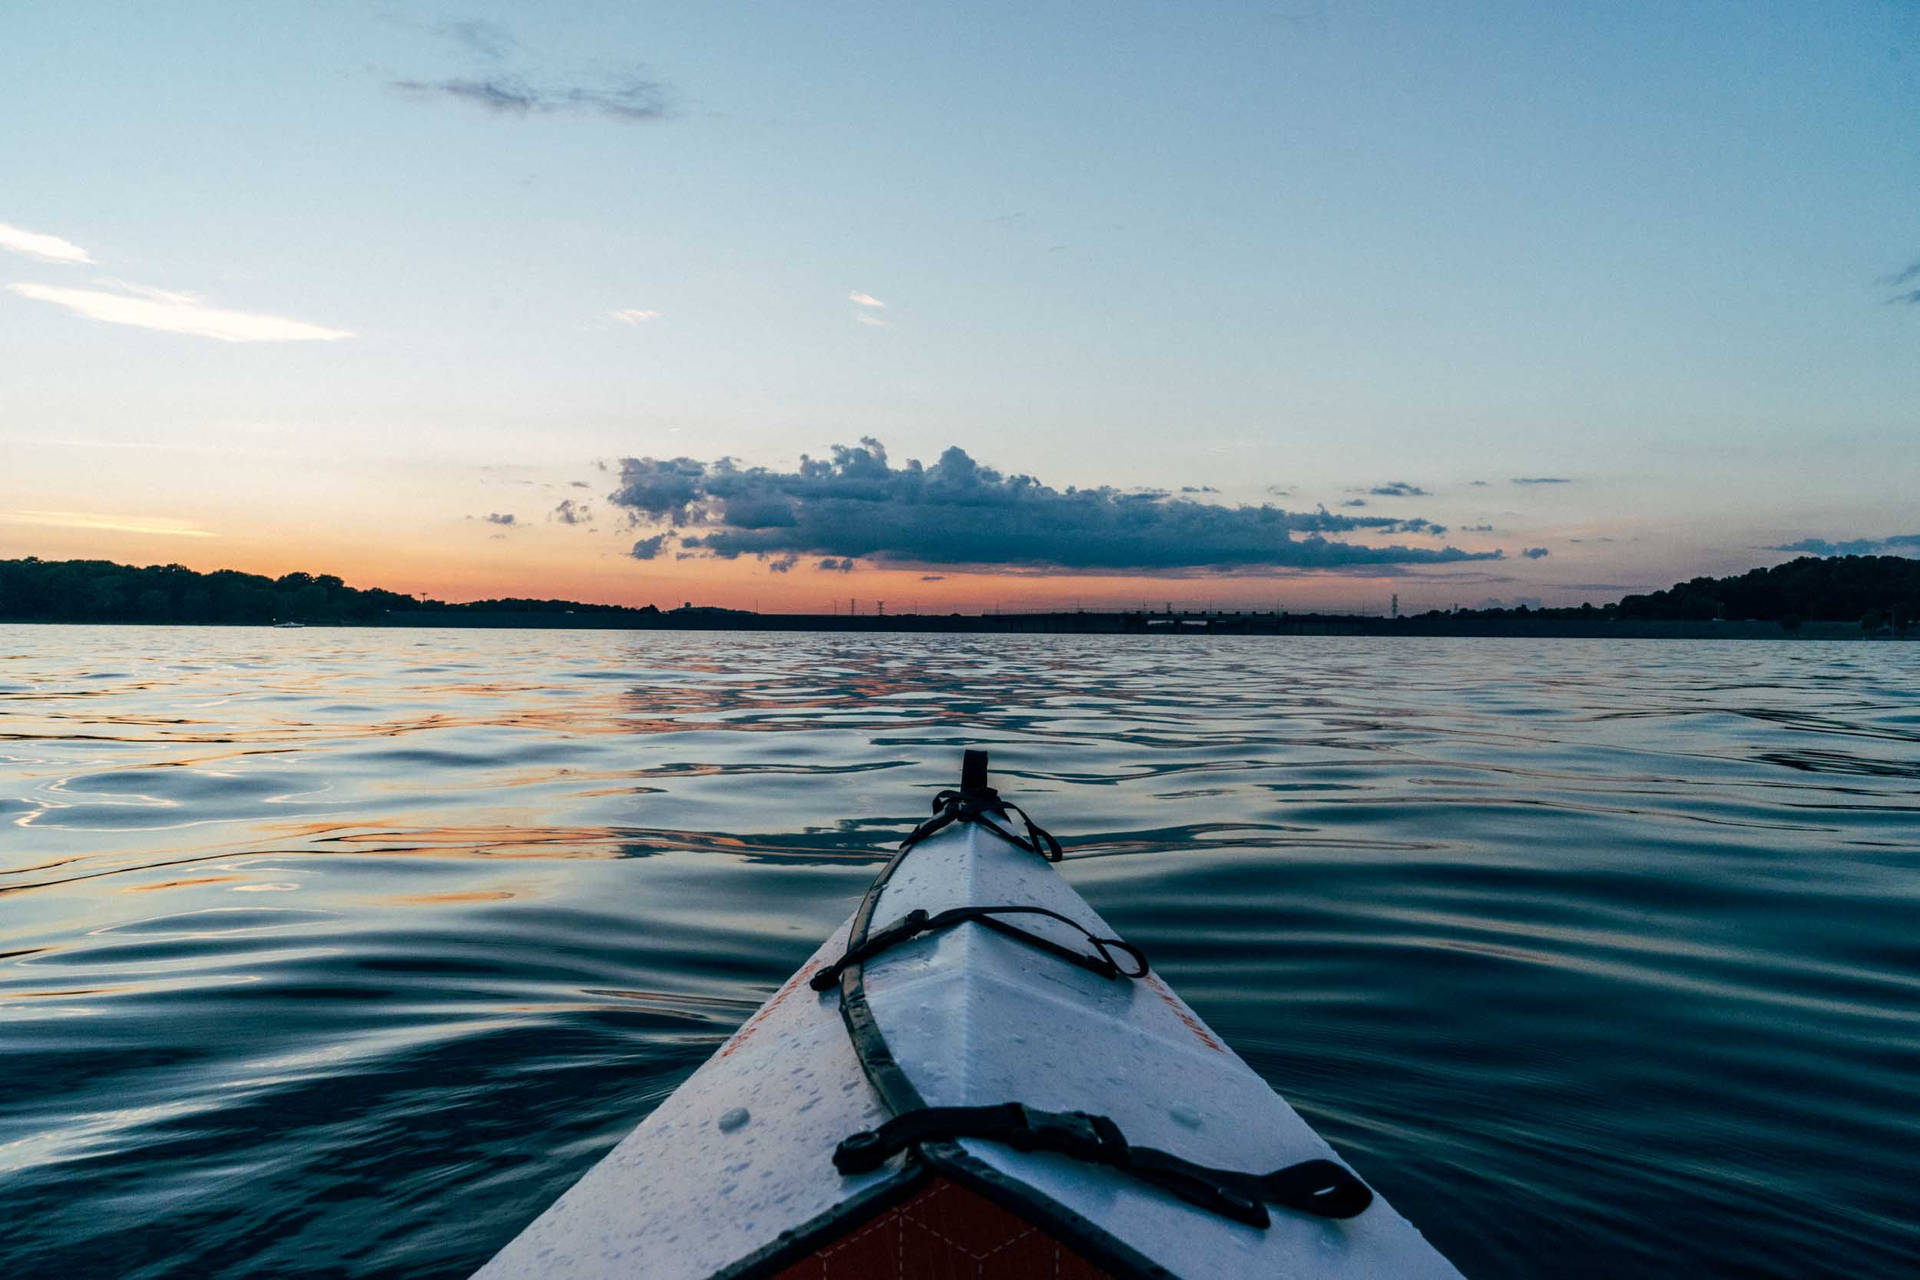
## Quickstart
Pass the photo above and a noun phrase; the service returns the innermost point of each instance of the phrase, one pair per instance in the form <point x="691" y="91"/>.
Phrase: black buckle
<point x="1071" y="1133"/>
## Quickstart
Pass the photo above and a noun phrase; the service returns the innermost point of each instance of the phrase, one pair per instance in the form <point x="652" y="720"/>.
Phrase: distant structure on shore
<point x="1811" y="596"/>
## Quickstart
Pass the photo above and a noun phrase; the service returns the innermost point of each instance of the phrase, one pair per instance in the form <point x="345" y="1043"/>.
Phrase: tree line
<point x="1880" y="592"/>
<point x="35" y="590"/>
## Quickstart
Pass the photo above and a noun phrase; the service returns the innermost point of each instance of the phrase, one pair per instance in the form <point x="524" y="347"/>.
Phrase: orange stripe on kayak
<point x="752" y="1024"/>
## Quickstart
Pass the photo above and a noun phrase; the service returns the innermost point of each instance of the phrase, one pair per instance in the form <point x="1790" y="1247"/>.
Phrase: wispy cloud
<point x="500" y="517"/>
<point x="634" y="101"/>
<point x="108" y="523"/>
<point x="1899" y="278"/>
<point x="1541" y="480"/>
<point x="857" y="505"/>
<point x="1398" y="489"/>
<point x="177" y="313"/>
<point x="871" y="320"/>
<point x="47" y="248"/>
<point x="634" y="315"/>
<point x="1535" y="553"/>
<point x="571" y="512"/>
<point x="864" y="300"/>
<point x="477" y="35"/>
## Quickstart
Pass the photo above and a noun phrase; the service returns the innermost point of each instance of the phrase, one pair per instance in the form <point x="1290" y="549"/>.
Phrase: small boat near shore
<point x="972" y="1077"/>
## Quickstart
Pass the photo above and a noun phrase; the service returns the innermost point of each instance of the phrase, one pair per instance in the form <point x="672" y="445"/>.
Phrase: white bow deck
<point x="972" y="1018"/>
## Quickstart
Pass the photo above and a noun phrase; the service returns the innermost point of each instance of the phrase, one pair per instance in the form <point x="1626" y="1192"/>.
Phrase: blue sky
<point x="1290" y="254"/>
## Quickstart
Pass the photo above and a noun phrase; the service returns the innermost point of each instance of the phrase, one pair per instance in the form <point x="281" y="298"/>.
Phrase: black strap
<point x="1318" y="1187"/>
<point x="919" y="921"/>
<point x="976" y="805"/>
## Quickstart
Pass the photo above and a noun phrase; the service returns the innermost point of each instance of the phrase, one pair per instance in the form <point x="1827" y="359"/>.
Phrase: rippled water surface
<point x="341" y="953"/>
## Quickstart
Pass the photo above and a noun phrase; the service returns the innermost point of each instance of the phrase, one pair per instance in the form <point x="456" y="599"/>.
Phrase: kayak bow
<point x="971" y="1077"/>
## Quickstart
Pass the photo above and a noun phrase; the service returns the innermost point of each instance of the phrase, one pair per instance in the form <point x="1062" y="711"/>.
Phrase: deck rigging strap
<point x="974" y="801"/>
<point x="1318" y="1187"/>
<point x="919" y="921"/>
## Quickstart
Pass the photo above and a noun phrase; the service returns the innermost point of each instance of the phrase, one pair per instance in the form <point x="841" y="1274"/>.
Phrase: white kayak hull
<point x="733" y="1175"/>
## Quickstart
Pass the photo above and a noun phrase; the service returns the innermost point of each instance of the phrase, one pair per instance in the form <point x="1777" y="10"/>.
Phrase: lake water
<point x="342" y="952"/>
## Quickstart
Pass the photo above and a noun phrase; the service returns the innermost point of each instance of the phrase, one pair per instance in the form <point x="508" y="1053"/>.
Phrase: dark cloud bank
<point x="858" y="506"/>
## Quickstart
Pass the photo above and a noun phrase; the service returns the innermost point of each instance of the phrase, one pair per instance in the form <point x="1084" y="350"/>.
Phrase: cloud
<point x="783" y="564"/>
<point x="177" y="313"/>
<point x="1478" y="484"/>
<point x="636" y="100"/>
<point x="481" y="37"/>
<point x="44" y="247"/>
<point x="1420" y="524"/>
<point x="108" y="523"/>
<point x="634" y="315"/>
<point x="933" y="577"/>
<point x="571" y="512"/>
<point x="1899" y="544"/>
<point x="1198" y="488"/>
<point x="1398" y="489"/>
<point x="1893" y="281"/>
<point x="1476" y="528"/>
<point x="498" y="517"/>
<point x="871" y="321"/>
<point x="1354" y="502"/>
<point x="648" y="548"/>
<point x="864" y="300"/>
<point x="846" y="566"/>
<point x="857" y="506"/>
<point x="1536" y="553"/>
<point x="1541" y="480"/>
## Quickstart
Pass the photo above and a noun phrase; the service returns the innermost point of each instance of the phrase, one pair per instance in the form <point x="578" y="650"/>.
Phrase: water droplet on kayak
<point x="1186" y="1115"/>
<point x="733" y="1119"/>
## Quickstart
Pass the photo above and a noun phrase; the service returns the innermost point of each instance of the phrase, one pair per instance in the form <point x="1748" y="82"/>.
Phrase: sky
<point x="960" y="308"/>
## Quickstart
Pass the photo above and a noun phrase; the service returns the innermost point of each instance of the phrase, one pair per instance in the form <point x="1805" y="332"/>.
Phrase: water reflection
<point x="342" y="952"/>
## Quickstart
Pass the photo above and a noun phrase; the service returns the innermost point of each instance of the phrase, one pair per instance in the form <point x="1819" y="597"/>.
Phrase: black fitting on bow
<point x="1318" y="1187"/>
<point x="975" y="801"/>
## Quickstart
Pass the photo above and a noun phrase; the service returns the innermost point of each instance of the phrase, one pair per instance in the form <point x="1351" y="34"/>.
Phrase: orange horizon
<point x="533" y="570"/>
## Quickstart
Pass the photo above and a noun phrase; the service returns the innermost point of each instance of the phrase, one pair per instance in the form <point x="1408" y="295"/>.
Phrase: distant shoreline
<point x="1079" y="623"/>
<point x="1811" y="598"/>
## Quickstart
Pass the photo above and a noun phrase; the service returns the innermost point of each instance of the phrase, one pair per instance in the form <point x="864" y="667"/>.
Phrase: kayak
<point x="973" y="1077"/>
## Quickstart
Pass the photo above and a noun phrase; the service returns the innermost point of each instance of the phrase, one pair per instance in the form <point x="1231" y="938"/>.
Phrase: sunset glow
<point x="1375" y="306"/>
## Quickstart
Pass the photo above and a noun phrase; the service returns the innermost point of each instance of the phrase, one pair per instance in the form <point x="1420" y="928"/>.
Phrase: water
<point x="341" y="953"/>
